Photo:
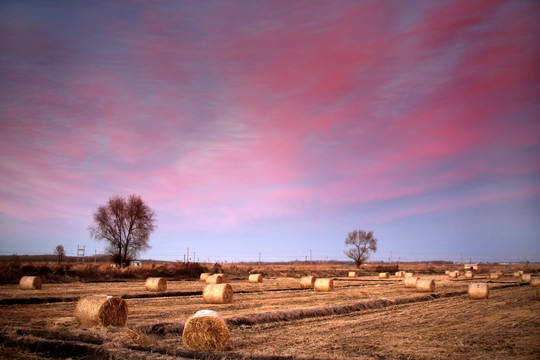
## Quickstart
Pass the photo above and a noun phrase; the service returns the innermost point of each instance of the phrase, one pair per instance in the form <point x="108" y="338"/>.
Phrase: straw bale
<point x="206" y="331"/>
<point x="352" y="274"/>
<point x="535" y="281"/>
<point x="218" y="294"/>
<point x="454" y="274"/>
<point x="409" y="274"/>
<point x="156" y="284"/>
<point x="30" y="283"/>
<point x="101" y="310"/>
<point x="469" y="274"/>
<point x="410" y="281"/>
<point x="400" y="274"/>
<point x="216" y="279"/>
<point x="425" y="285"/>
<point x="324" y="285"/>
<point x="478" y="291"/>
<point x="447" y="272"/>
<point x="255" y="278"/>
<point x="384" y="275"/>
<point x="307" y="281"/>
<point x="526" y="278"/>
<point x="204" y="276"/>
<point x="495" y="276"/>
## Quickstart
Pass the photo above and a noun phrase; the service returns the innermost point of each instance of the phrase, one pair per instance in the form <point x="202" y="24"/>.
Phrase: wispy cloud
<point x="232" y="116"/>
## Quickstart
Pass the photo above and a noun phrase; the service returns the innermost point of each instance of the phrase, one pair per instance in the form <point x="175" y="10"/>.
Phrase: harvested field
<point x="363" y="318"/>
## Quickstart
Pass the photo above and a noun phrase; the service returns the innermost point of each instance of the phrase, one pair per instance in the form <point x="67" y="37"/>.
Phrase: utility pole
<point x="188" y="254"/>
<point x="390" y="256"/>
<point x="194" y="257"/>
<point x="95" y="256"/>
<point x="259" y="259"/>
<point x="461" y="258"/>
<point x="310" y="257"/>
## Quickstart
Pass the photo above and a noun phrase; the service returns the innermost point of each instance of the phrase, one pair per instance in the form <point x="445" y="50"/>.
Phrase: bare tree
<point x="60" y="252"/>
<point x="362" y="242"/>
<point x="125" y="224"/>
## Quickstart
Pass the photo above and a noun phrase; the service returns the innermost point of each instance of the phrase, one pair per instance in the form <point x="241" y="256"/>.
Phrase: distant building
<point x="135" y="263"/>
<point x="470" y="266"/>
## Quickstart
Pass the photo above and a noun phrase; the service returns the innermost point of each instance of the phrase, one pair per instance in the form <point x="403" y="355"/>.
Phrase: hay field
<point x="363" y="318"/>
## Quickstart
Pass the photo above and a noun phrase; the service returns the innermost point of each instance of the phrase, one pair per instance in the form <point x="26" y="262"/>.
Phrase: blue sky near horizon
<point x="274" y="127"/>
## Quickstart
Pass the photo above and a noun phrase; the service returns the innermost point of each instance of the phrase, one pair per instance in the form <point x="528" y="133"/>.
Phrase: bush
<point x="12" y="272"/>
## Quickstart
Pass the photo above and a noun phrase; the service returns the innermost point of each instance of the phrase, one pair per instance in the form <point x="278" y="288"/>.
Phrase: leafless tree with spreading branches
<point x="125" y="224"/>
<point x="362" y="242"/>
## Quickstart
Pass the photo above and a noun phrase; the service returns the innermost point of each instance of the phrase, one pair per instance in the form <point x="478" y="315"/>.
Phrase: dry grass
<point x="507" y="325"/>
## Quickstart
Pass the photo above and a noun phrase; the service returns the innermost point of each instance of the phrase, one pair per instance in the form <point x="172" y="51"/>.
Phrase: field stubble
<point x="505" y="326"/>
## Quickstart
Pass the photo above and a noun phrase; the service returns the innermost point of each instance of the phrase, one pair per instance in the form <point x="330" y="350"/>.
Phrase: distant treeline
<point x="102" y="258"/>
<point x="99" y="258"/>
<point x="345" y="262"/>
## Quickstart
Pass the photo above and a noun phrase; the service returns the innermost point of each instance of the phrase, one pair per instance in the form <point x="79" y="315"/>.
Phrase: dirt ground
<point x="505" y="326"/>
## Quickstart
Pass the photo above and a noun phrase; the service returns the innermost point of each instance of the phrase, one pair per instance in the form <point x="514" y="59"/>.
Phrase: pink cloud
<point x="277" y="116"/>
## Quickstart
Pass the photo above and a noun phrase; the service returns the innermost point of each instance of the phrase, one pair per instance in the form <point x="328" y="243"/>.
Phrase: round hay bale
<point x="255" y="278"/>
<point x="454" y="274"/>
<point x="324" y="285"/>
<point x="218" y="294"/>
<point x="425" y="285"/>
<point x="215" y="279"/>
<point x="469" y="275"/>
<point x="409" y="274"/>
<point x="204" y="276"/>
<point x="206" y="331"/>
<point x="526" y="278"/>
<point x="307" y="281"/>
<point x="535" y="281"/>
<point x="410" y="281"/>
<point x="156" y="284"/>
<point x="478" y="291"/>
<point x="384" y="275"/>
<point x="30" y="283"/>
<point x="352" y="274"/>
<point x="400" y="274"/>
<point x="495" y="276"/>
<point x="447" y="272"/>
<point x="101" y="310"/>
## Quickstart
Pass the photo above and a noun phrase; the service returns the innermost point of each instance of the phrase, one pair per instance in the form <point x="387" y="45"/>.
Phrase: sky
<point x="272" y="129"/>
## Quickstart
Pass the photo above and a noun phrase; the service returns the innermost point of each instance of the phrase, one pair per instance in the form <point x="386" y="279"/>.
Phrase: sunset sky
<point x="274" y="127"/>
